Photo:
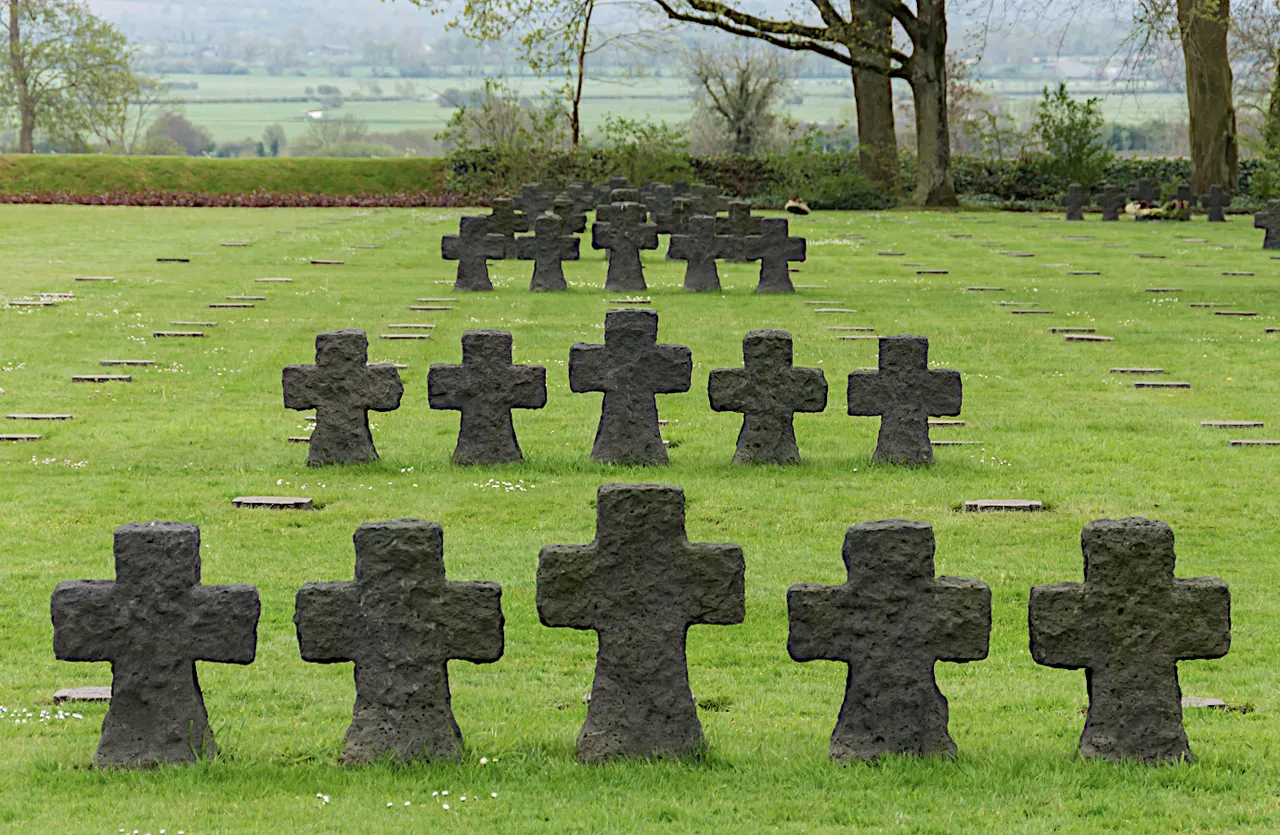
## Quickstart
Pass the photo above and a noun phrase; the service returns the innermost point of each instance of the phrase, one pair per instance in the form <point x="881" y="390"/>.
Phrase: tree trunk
<point x="575" y="118"/>
<point x="873" y="95"/>
<point x="1215" y="152"/>
<point x="26" y="108"/>
<point x="927" y="73"/>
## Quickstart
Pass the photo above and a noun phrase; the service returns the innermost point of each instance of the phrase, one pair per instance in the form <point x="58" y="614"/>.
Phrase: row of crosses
<point x="639" y="585"/>
<point x="1146" y="193"/>
<point x="630" y="368"/>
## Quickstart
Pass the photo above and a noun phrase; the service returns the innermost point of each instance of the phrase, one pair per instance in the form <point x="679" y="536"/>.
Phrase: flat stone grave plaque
<point x="959" y="237"/>
<point x="429" y="307"/>
<point x="233" y="243"/>
<point x="82" y="694"/>
<point x="1234" y="313"/>
<point x="178" y="334"/>
<point x="299" y="439"/>
<point x="404" y="336"/>
<point x="57" y="297"/>
<point x="1072" y="330"/>
<point x="955" y="443"/>
<point x="834" y="310"/>
<point x="410" y="326"/>
<point x="273" y="502"/>
<point x="1150" y="255"/>
<point x="1013" y="254"/>
<point x="998" y="505"/>
<point x="247" y="298"/>
<point x="1082" y="337"/>
<point x="1136" y="371"/>
<point x="1272" y="330"/>
<point x="273" y="280"/>
<point x="810" y="286"/>
<point x="365" y="246"/>
<point x="1210" y="304"/>
<point x="102" y="378"/>
<point x="329" y="262"/>
<point x="849" y="328"/>
<point x="1078" y="238"/>
<point x="944" y="423"/>
<point x="913" y="263"/>
<point x="1084" y="272"/>
<point x="19" y="437"/>
<point x="36" y="416"/>
<point x="196" y="324"/>
<point x="1197" y="701"/>
<point x="933" y="272"/>
<point x="629" y="301"/>
<point x="1237" y="272"/>
<point x="857" y="337"/>
<point x="438" y="300"/>
<point x="1164" y="290"/>
<point x="94" y="278"/>
<point x="1195" y="265"/>
<point x="174" y="260"/>
<point x="1194" y="240"/>
<point x="138" y="363"/>
<point x="1155" y="385"/>
<point x="1017" y="304"/>
<point x="825" y="301"/>
<point x="443" y="281"/>
<point x="890" y="252"/>
<point x="1030" y="312"/>
<point x="41" y="303"/>
<point x="1223" y="424"/>
<point x="1231" y="443"/>
<point x="976" y="289"/>
<point x="230" y="305"/>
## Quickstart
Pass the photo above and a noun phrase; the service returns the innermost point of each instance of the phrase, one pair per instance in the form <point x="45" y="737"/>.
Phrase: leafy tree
<point x="62" y="57"/>
<point x="171" y="125"/>
<point x="741" y="89"/>
<point x="118" y="115"/>
<point x="274" y="140"/>
<point x="1070" y="132"/>
<point x="325" y="135"/>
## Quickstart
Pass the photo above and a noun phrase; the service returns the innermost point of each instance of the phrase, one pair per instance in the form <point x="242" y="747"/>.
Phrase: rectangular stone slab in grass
<point x="628" y="301"/>
<point x="102" y="378"/>
<point x="1231" y="443"/>
<point x="945" y="423"/>
<point x="273" y="502"/>
<point x="230" y="305"/>
<point x="178" y="334"/>
<point x="128" y="362"/>
<point x="640" y="584"/>
<point x="850" y="328"/>
<point x="1084" y="337"/>
<point x="174" y="260"/>
<point x="234" y="243"/>
<point x="329" y="262"/>
<point x="401" y="621"/>
<point x="1031" y="312"/>
<point x="298" y="439"/>
<point x="904" y="393"/>
<point x="834" y="310"/>
<point x="38" y="416"/>
<point x="890" y="623"/>
<point x="247" y="298"/>
<point x="825" y="301"/>
<point x="1164" y="290"/>
<point x="1210" y="304"/>
<point x="273" y="280"/>
<point x="1128" y="625"/>
<point x="1072" y="330"/>
<point x="31" y="304"/>
<point x="1234" y="313"/>
<point x="890" y="253"/>
<point x="94" y="278"/>
<point x="1012" y="254"/>
<point x="859" y="336"/>
<point x="153" y="622"/>
<point x="957" y="443"/>
<point x="979" y="289"/>
<point x="1161" y="385"/>
<point x="404" y="336"/>
<point x="434" y="300"/>
<point x="82" y="694"/>
<point x="1150" y="255"/>
<point x="1084" y="272"/>
<point x="14" y="438"/>
<point x="1237" y="273"/>
<point x="1136" y="371"/>
<point x="1002" y="505"/>
<point x="1017" y="304"/>
<point x="195" y="324"/>
<point x="933" y="272"/>
<point x="1232" y="424"/>
<point x="411" y="326"/>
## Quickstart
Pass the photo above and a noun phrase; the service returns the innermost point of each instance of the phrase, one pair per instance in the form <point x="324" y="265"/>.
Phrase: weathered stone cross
<point x="547" y="247"/>
<point x="342" y="387"/>
<point x="1074" y="202"/>
<point x="1186" y="196"/>
<point x="905" y="394"/>
<point x="401" y="622"/>
<point x="472" y="248"/>
<point x="621" y="229"/>
<point x="630" y="368"/>
<point x="738" y="225"/>
<point x="1128" y="625"/>
<point x="640" y="585"/>
<point x="153" y="623"/>
<point x="768" y="390"/>
<point x="1146" y="191"/>
<point x="534" y="199"/>
<point x="485" y="388"/>
<point x="1216" y="201"/>
<point x="658" y="201"/>
<point x="707" y="200"/>
<point x="1111" y="201"/>
<point x="890" y="622"/>
<point x="774" y="249"/>
<point x="700" y="246"/>
<point x="505" y="221"/>
<point x="1269" y="219"/>
<point x="575" y="220"/>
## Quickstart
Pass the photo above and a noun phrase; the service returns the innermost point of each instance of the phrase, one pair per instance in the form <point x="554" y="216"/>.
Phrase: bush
<point x="174" y="126"/>
<point x="1070" y="133"/>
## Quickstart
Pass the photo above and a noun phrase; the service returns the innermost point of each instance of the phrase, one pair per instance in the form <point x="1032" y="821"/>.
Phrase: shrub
<point x="1070" y="132"/>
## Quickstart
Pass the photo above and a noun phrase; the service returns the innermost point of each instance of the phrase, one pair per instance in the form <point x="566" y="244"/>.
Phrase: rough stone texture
<point x="699" y="246"/>
<point x="547" y="248"/>
<point x="401" y="622"/>
<point x="1215" y="202"/>
<point x="505" y="221"/>
<point x="1003" y="505"/>
<point x="1128" y="625"/>
<point x="342" y="388"/>
<point x="774" y="248"/>
<point x="1074" y="201"/>
<point x="1270" y="221"/>
<point x="472" y="248"/>
<point x="485" y="388"/>
<point x="1185" y="195"/>
<point x="275" y="502"/>
<point x="890" y="622"/>
<point x="1111" y="201"/>
<point x="1146" y="191"/>
<point x="630" y="368"/>
<point x="534" y="199"/>
<point x="640" y="585"/>
<point x="621" y="229"/>
<point x="905" y="394"/>
<point x="82" y="694"/>
<point x="573" y="218"/>
<point x="153" y="622"/>
<point x="657" y="199"/>
<point x="707" y="200"/>
<point x="582" y="195"/>
<point x="682" y="209"/>
<point x="768" y="390"/>
<point x="737" y="226"/>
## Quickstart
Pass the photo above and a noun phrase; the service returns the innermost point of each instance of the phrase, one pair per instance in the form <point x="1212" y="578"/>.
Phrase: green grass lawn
<point x="207" y="424"/>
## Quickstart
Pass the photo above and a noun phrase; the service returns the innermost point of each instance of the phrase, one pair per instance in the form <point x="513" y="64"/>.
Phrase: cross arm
<point x="326" y="617"/>
<point x="714" y="579"/>
<point x="587" y="366"/>
<point x="728" y="389"/>
<point x="385" y="388"/>
<point x="962" y="619"/>
<point x="811" y="389"/>
<point x="299" y="392"/>
<point x="1202" y="616"/>
<point x="945" y="392"/>
<point x="471" y="621"/>
<point x="672" y="371"/>
<point x="1056" y="616"/>
<point x="817" y="616"/>
<point x="528" y="387"/>
<point x="527" y="249"/>
<point x="564" y="572"/>
<point x="868" y="393"/>
<point x="446" y="386"/>
<point x="602" y="235"/>
<point x="87" y="625"/>
<point x="224" y="623"/>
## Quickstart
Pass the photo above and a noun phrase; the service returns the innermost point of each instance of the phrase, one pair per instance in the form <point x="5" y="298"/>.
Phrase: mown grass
<point x="207" y="424"/>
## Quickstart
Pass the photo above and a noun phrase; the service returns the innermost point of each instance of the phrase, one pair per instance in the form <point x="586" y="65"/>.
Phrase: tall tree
<point x="858" y="41"/>
<point x="740" y="88"/>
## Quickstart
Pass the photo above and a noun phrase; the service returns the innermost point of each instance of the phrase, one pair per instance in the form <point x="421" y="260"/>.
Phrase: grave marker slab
<point x="849" y="328"/>
<point x="273" y="502"/>
<point x="640" y="584"/>
<point x="979" y="289"/>
<point x="94" y="278"/>
<point x="247" y="298"/>
<point x="945" y="423"/>
<point x="435" y="300"/>
<point x="1136" y="371"/>
<point x="42" y="303"/>
<point x="1111" y="201"/>
<point x="342" y="387"/>
<point x="473" y="248"/>
<point x="1234" y="313"/>
<point x="1160" y="385"/>
<point x="1230" y="443"/>
<point x="1072" y="330"/>
<point x="547" y="248"/>
<point x="1232" y="424"/>
<point x="1003" y="505"/>
<point x="707" y="200"/>
<point x="904" y="393"/>
<point x="834" y="310"/>
<point x="173" y="260"/>
<point x="1269" y="219"/>
<point x="16" y="438"/>
<point x="401" y="621"/>
<point x="195" y="324"/>
<point x="179" y="334"/>
<point x="327" y="262"/>
<point x="82" y="694"/>
<point x="231" y="305"/>
<point x="1128" y="625"/>
<point x="1210" y="304"/>
<point x="1216" y="201"/>
<point x="1084" y="272"/>
<point x="774" y="248"/>
<point x="699" y="246"/>
<point x="933" y="272"/>
<point x="273" y="280"/>
<point x="1163" y="290"/>
<point x="429" y="307"/>
<point x="410" y="325"/>
<point x="503" y="220"/>
<point x="1080" y="337"/>
<point x="404" y="336"/>
<point x="38" y="416"/>
<point x="1074" y="201"/>
<point x="621" y="229"/>
<point x="534" y="199"/>
<point x="1031" y="312"/>
<point x="1237" y="273"/>
<point x="153" y="622"/>
<point x="141" y="363"/>
<point x="574" y="219"/>
<point x="102" y="378"/>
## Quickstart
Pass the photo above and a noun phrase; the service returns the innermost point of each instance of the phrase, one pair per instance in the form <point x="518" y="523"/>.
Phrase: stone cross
<point x="768" y="390"/>
<point x="680" y="188"/>
<point x="738" y="225"/>
<point x="658" y="202"/>
<point x="890" y="622"/>
<point x="707" y="200"/>
<point x="630" y="368"/>
<point x="1185" y="195"/>
<point x="774" y="249"/>
<point x="582" y="195"/>
<point x="1269" y="219"/>
<point x="534" y="199"/>
<point x="504" y="220"/>
<point x="575" y="220"/>
<point x="905" y="394"/>
<point x="621" y="229"/>
<point x="1215" y="202"/>
<point x="617" y="181"/>
<point x="1128" y="625"/>
<point x="1112" y="201"/>
<point x="640" y="584"/>
<point x="699" y="246"/>
<point x="547" y="248"/>
<point x="472" y="248"/>
<point x="153" y="622"/>
<point x="1146" y="191"/>
<point x="342" y="387"/>
<point x="401" y="622"/>
<point x="1074" y="202"/>
<point x="485" y="388"/>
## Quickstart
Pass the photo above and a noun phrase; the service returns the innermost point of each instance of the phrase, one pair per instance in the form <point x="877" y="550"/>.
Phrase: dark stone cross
<point x="1187" y="197"/>
<point x="630" y="368"/>
<point x="621" y="229"/>
<point x="505" y="221"/>
<point x="1269" y="219"/>
<point x="1074" y="201"/>
<point x="738" y="225"/>
<point x="1111" y="201"/>
<point x="1146" y="191"/>
<point x="774" y="249"/>
<point x="153" y="623"/>
<point x="699" y="246"/>
<point x="677" y="222"/>
<point x="1128" y="625"/>
<point x="547" y="247"/>
<point x="485" y="388"/>
<point x="401" y="621"/>
<point x="534" y="199"/>
<point x="574" y="219"/>
<point x="342" y="387"/>
<point x="905" y="394"/>
<point x="1215" y="202"/>
<point x="890" y="622"/>
<point x="707" y="200"/>
<point x="768" y="390"/>
<point x="659" y="201"/>
<point x="617" y="181"/>
<point x="472" y="248"/>
<point x="583" y="196"/>
<point x="640" y="584"/>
